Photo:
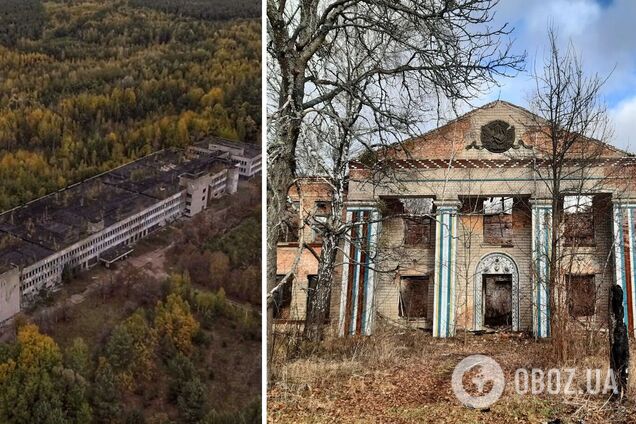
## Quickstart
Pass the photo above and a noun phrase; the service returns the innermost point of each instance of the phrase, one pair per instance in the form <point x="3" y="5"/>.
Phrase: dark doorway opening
<point x="497" y="300"/>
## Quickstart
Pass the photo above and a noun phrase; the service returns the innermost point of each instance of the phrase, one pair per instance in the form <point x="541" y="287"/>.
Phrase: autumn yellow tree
<point x="175" y="322"/>
<point x="36" y="388"/>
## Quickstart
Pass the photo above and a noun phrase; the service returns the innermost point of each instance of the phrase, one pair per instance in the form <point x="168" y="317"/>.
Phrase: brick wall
<point x="457" y="141"/>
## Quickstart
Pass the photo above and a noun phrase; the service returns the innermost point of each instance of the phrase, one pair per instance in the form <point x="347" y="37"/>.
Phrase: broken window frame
<point x="589" y="310"/>
<point x="316" y="236"/>
<point x="504" y="218"/>
<point x="425" y="282"/>
<point x="322" y="210"/>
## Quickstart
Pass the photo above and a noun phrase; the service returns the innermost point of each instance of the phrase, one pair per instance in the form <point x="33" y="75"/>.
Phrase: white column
<point x="541" y="242"/>
<point x="445" y="268"/>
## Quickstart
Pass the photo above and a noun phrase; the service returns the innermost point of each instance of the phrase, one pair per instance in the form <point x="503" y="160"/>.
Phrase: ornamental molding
<point x="496" y="264"/>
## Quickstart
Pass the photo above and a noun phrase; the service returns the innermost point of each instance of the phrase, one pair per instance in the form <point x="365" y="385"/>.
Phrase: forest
<point x="162" y="363"/>
<point x="88" y="85"/>
<point x="142" y="347"/>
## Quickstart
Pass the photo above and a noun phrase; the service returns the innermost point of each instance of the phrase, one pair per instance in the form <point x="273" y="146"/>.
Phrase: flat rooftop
<point x="250" y="150"/>
<point x="51" y="223"/>
<point x="17" y="252"/>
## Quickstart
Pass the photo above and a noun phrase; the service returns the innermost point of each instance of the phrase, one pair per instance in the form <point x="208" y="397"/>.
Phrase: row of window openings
<point x="413" y="301"/>
<point x="497" y="222"/>
<point x="112" y="236"/>
<point x="415" y="291"/>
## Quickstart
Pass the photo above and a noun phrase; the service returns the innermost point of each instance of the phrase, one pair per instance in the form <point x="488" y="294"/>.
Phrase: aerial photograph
<point x="451" y="211"/>
<point x="130" y="211"/>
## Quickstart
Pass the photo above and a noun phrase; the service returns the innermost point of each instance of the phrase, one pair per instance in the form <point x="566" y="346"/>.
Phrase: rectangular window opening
<point x="578" y="220"/>
<point x="413" y="303"/>
<point x="498" y="228"/>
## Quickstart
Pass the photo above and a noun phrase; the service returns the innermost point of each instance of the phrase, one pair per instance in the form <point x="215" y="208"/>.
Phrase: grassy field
<point x="406" y="378"/>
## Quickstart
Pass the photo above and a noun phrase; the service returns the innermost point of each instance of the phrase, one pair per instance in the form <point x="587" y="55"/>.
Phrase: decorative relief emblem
<point x="497" y="136"/>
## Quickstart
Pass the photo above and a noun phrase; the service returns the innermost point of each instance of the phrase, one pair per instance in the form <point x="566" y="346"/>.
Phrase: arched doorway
<point x="496" y="270"/>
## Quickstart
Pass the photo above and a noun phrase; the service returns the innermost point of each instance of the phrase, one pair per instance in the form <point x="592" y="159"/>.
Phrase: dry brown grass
<point x="404" y="377"/>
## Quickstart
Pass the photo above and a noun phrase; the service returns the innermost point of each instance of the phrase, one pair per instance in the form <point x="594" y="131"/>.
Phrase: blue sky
<point x="604" y="34"/>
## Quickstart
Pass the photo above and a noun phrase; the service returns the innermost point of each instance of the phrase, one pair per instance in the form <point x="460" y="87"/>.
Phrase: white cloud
<point x="571" y="17"/>
<point x="624" y="120"/>
<point x="602" y="35"/>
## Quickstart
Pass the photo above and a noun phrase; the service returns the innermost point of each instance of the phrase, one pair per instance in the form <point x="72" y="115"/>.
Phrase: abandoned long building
<point x="99" y="219"/>
<point x="458" y="236"/>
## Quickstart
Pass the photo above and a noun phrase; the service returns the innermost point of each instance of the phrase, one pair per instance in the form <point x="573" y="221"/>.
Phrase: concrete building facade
<point x="458" y="238"/>
<point x="247" y="156"/>
<point x="100" y="218"/>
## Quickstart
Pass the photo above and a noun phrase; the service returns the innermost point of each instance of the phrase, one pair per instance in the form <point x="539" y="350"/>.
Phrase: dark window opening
<point x="282" y="299"/>
<point x="312" y="282"/>
<point x="323" y="208"/>
<point x="392" y="206"/>
<point x="581" y="295"/>
<point x="413" y="297"/>
<point x="497" y="298"/>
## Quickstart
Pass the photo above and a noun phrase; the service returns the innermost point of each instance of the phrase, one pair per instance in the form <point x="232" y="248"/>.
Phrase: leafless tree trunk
<point x="570" y="113"/>
<point x="410" y="50"/>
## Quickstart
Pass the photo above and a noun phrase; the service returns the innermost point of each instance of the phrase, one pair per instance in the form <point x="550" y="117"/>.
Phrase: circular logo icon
<point x="478" y="381"/>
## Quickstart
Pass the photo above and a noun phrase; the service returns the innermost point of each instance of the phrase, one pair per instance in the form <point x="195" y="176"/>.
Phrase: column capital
<point x="361" y="205"/>
<point x="447" y="203"/>
<point x="536" y="202"/>
<point x="627" y="201"/>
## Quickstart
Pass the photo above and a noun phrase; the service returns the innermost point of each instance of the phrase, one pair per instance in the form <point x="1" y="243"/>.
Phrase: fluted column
<point x="358" y="273"/>
<point x="445" y="268"/>
<point x="624" y="215"/>
<point x="541" y="248"/>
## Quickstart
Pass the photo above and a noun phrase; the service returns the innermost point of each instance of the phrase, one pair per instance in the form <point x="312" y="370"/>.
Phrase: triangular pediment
<point x="496" y="131"/>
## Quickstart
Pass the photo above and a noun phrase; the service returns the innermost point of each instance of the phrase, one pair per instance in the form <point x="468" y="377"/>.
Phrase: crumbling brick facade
<point x="477" y="264"/>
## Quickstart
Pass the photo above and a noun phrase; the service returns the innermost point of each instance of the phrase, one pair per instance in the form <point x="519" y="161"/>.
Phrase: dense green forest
<point x="154" y="366"/>
<point x="88" y="85"/>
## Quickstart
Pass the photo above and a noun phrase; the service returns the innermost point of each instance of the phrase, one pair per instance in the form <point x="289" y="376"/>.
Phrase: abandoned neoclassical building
<point x="458" y="237"/>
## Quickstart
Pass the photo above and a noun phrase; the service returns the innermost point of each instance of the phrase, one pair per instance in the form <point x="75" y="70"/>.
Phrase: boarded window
<point x="581" y="295"/>
<point x="418" y="231"/>
<point x="312" y="281"/>
<point x="413" y="297"/>
<point x="282" y="299"/>
<point x="498" y="220"/>
<point x="578" y="220"/>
